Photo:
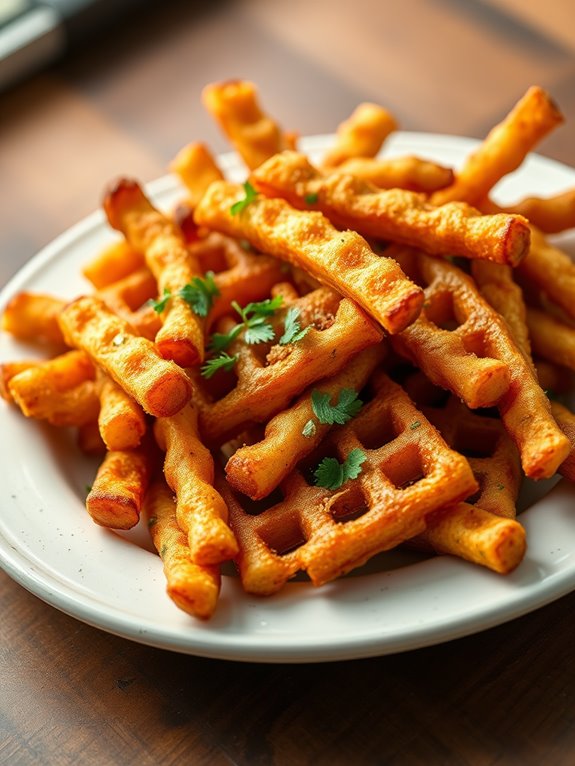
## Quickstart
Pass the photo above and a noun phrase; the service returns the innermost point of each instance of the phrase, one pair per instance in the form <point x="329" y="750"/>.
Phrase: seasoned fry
<point x="234" y="105"/>
<point x="566" y="420"/>
<point x="197" y="168"/>
<point x="411" y="173"/>
<point x="257" y="469"/>
<point x="189" y="469"/>
<point x="504" y="149"/>
<point x="549" y="214"/>
<point x="121" y="420"/>
<point x="128" y="298"/>
<point x="89" y="439"/>
<point x="394" y="214"/>
<point x="117" y="494"/>
<point x="181" y="337"/>
<point x="342" y="260"/>
<point x="8" y="370"/>
<point x="192" y="587"/>
<point x="115" y="262"/>
<point x="34" y="317"/>
<point x="158" y="385"/>
<point x="361" y="135"/>
<point x="551" y="339"/>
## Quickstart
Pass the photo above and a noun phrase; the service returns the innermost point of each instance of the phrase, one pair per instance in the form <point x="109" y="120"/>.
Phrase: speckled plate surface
<point x="51" y="547"/>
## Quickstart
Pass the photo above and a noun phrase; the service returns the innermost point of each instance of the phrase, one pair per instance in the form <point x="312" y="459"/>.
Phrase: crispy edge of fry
<point x="194" y="588"/>
<point x="411" y="173"/>
<point x="551" y="339"/>
<point x="566" y="421"/>
<point x="115" y="262"/>
<point x="9" y="370"/>
<point x="196" y="168"/>
<point x="361" y="135"/>
<point x="549" y="214"/>
<point x="121" y="420"/>
<point x="34" y="317"/>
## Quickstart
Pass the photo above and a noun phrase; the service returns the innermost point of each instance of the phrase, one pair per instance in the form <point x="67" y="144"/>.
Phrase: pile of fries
<point x="323" y="363"/>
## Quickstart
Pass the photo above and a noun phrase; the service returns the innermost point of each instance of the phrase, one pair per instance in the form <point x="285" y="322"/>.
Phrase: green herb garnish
<point x="241" y="205"/>
<point x="222" y="362"/>
<point x="254" y="324"/>
<point x="311" y="199"/>
<point x="415" y="425"/>
<point x="332" y="474"/>
<point x="200" y="293"/>
<point x="160" y="304"/>
<point x="347" y="407"/>
<point x="293" y="331"/>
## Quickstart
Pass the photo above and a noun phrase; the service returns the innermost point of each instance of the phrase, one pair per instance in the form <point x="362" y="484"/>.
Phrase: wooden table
<point x="71" y="694"/>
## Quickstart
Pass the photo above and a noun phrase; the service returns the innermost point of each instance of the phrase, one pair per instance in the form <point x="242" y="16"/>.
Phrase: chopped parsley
<point x="254" y="324"/>
<point x="332" y="474"/>
<point x="198" y="294"/>
<point x="293" y="331"/>
<point x="311" y="199"/>
<point x="415" y="425"/>
<point x="160" y="304"/>
<point x="241" y="204"/>
<point x="347" y="407"/>
<point x="222" y="362"/>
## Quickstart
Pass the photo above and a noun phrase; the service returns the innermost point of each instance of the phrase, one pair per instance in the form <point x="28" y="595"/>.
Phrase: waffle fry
<point x="342" y="260"/>
<point x="121" y="420"/>
<point x="411" y="173"/>
<point x="192" y="587"/>
<point x="34" y="317"/>
<point x="189" y="470"/>
<point x="181" y="337"/>
<point x="394" y="214"/>
<point x="158" y="385"/>
<point x="117" y="494"/>
<point x="463" y="345"/>
<point x="234" y="105"/>
<point x="409" y="471"/>
<point x="256" y="470"/>
<point x="197" y="168"/>
<point x="361" y="135"/>
<point x="504" y="149"/>
<point x="266" y="380"/>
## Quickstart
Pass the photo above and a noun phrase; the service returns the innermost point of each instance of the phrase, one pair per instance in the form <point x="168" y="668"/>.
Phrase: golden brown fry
<point x="189" y="469"/>
<point x="121" y="421"/>
<point x="90" y="440"/>
<point x="257" y="469"/>
<point x="115" y="262"/>
<point x="8" y="370"/>
<point x="361" y="135"/>
<point x="192" y="587"/>
<point x="411" y="173"/>
<point x="234" y="105"/>
<point x="117" y="494"/>
<point x="158" y="385"/>
<point x="60" y="390"/>
<point x="34" y="317"/>
<point x="549" y="214"/>
<point x="504" y="149"/>
<point x="181" y="337"/>
<point x="566" y="420"/>
<point x="342" y="260"/>
<point x="553" y="378"/>
<point x="128" y="298"/>
<point x="551" y="339"/>
<point x="394" y="214"/>
<point x="197" y="168"/>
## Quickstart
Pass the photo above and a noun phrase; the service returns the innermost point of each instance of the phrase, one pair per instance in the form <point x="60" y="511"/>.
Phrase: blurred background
<point x="94" y="89"/>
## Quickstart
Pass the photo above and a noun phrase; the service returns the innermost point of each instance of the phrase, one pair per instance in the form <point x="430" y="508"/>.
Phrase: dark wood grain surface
<point x="72" y="694"/>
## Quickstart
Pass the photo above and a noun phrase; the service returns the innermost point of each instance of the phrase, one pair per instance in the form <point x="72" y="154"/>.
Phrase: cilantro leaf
<point x="258" y="331"/>
<point x="332" y="474"/>
<point x="254" y="325"/>
<point x="347" y="407"/>
<point x="311" y="199"/>
<point x="160" y="304"/>
<point x="221" y="362"/>
<point x="241" y="205"/>
<point x="261" y="308"/>
<point x="200" y="293"/>
<point x="292" y="328"/>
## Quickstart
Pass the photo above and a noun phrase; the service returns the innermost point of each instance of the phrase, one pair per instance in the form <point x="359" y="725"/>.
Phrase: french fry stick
<point x="189" y="469"/>
<point x="361" y="135"/>
<point x="342" y="260"/>
<point x="197" y="168"/>
<point x="394" y="214"/>
<point x="411" y="173"/>
<point x="234" y="105"/>
<point x="158" y="385"/>
<point x="117" y="494"/>
<point x="504" y="149"/>
<point x="89" y="439"/>
<point x="121" y="420"/>
<point x="8" y="370"/>
<point x="551" y="339"/>
<point x="566" y="421"/>
<point x="192" y="587"/>
<point x="115" y="262"/>
<point x="181" y="337"/>
<point x="34" y="317"/>
<point x="549" y="214"/>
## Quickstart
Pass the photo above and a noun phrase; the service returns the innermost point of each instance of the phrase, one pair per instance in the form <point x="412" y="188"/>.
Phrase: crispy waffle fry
<point x="342" y="260"/>
<point x="549" y="214"/>
<point x="463" y="345"/>
<point x="234" y="105"/>
<point x="115" y="262"/>
<point x="121" y="420"/>
<point x="504" y="149"/>
<point x="409" y="471"/>
<point x="394" y="214"/>
<point x="181" y="337"/>
<point x="361" y="135"/>
<point x="117" y="494"/>
<point x="189" y="470"/>
<point x="158" y="385"/>
<point x="257" y="469"/>
<point x="34" y="317"/>
<point x="266" y="378"/>
<point x="411" y="173"/>
<point x="59" y="390"/>
<point x="197" y="168"/>
<point x="192" y="587"/>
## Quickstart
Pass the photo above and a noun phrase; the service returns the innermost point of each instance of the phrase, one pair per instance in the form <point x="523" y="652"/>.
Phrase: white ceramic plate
<point x="49" y="544"/>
